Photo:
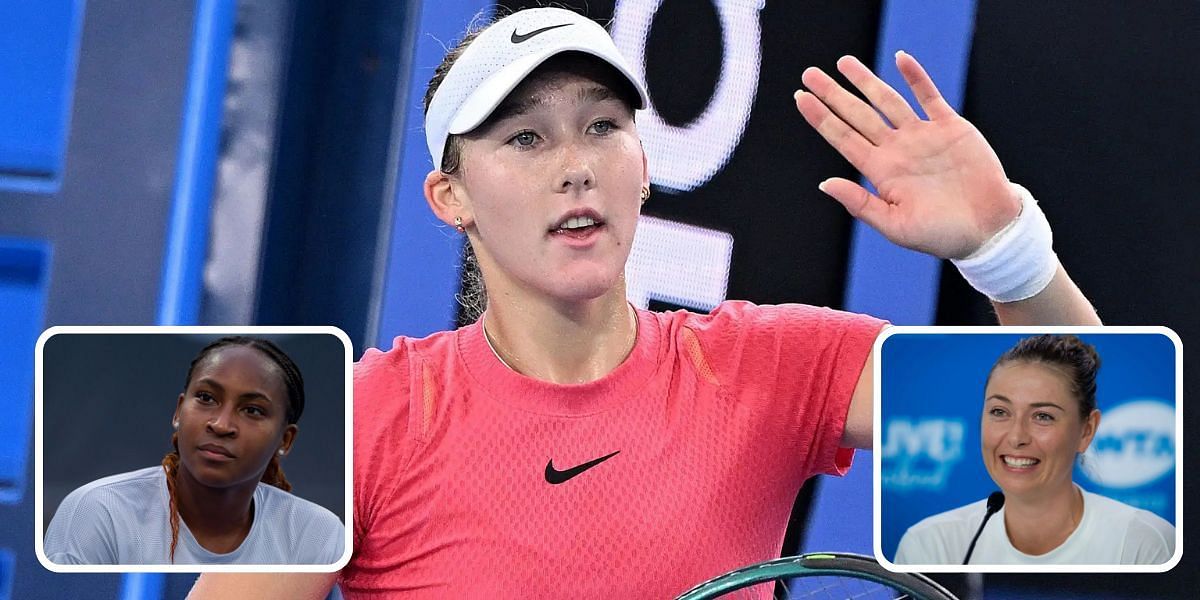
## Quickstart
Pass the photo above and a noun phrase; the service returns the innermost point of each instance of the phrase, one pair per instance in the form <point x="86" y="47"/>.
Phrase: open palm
<point x="941" y="189"/>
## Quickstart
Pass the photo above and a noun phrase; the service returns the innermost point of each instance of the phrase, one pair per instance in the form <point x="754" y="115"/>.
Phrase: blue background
<point x="942" y="376"/>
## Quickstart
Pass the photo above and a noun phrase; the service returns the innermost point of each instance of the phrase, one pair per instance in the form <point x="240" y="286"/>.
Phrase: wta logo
<point x="1134" y="446"/>
<point x="920" y="453"/>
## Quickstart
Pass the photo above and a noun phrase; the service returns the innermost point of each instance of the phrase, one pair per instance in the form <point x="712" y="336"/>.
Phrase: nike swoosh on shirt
<point x="555" y="477"/>
<point x="517" y="38"/>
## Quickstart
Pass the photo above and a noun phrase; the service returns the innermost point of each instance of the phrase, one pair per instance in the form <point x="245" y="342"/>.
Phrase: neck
<point x="1040" y="524"/>
<point x="219" y="518"/>
<point x="561" y="342"/>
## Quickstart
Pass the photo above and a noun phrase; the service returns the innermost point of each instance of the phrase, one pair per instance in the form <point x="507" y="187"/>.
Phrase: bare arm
<point x="263" y="586"/>
<point x="940" y="190"/>
<point x="860" y="419"/>
<point x="1061" y="303"/>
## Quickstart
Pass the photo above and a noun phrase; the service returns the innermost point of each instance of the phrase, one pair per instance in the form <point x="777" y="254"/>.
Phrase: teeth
<point x="1020" y="462"/>
<point x="577" y="222"/>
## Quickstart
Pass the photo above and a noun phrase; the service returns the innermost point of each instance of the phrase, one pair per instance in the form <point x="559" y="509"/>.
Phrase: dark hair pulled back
<point x="294" y="383"/>
<point x="1075" y="359"/>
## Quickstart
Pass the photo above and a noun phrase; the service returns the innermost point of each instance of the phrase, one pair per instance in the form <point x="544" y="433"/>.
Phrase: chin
<point x="213" y="477"/>
<point x="586" y="288"/>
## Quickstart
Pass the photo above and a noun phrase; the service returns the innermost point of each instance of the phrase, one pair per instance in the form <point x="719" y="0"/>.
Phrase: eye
<point x="205" y="398"/>
<point x="524" y="139"/>
<point x="255" y="411"/>
<point x="1042" y="417"/>
<point x="603" y="127"/>
<point x="997" y="412"/>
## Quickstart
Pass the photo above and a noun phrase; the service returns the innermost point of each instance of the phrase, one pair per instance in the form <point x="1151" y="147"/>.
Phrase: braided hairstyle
<point x="1072" y="357"/>
<point x="294" y="383"/>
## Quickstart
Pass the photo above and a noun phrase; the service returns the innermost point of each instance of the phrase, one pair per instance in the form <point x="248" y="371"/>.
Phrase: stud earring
<point x="281" y="451"/>
<point x="458" y="225"/>
<point x="175" y="424"/>
<point x="645" y="194"/>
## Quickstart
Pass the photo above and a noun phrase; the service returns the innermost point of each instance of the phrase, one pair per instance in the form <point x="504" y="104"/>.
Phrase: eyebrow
<point x="247" y="396"/>
<point x="513" y="108"/>
<point x="1032" y="404"/>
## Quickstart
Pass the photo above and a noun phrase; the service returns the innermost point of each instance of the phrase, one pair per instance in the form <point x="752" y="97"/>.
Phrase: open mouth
<point x="578" y="227"/>
<point x="1019" y="462"/>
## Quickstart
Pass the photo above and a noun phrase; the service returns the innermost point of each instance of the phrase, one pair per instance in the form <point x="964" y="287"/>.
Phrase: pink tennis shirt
<point x="471" y="480"/>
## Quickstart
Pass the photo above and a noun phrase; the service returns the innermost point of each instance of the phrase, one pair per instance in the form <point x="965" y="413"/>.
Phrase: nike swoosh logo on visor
<point x="517" y="38"/>
<point x="555" y="477"/>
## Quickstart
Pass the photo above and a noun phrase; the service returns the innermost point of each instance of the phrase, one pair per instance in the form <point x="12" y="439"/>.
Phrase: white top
<point x="124" y="519"/>
<point x="1110" y="533"/>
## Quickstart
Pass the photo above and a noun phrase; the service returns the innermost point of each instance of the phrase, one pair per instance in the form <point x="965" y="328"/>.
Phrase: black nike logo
<point x="517" y="38"/>
<point x="555" y="477"/>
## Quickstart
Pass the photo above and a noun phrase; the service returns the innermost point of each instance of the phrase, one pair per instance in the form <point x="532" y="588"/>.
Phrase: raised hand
<point x="941" y="188"/>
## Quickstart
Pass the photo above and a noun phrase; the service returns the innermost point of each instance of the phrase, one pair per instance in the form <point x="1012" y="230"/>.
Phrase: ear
<point x="445" y="198"/>
<point x="645" y="168"/>
<point x="178" y="407"/>
<point x="289" y="438"/>
<point x="1090" y="425"/>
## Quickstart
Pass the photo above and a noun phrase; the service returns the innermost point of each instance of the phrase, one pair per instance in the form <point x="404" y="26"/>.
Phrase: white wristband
<point x="1018" y="261"/>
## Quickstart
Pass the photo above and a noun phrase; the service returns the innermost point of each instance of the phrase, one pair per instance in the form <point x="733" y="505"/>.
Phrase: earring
<point x="175" y="423"/>
<point x="645" y="194"/>
<point x="281" y="451"/>
<point x="458" y="225"/>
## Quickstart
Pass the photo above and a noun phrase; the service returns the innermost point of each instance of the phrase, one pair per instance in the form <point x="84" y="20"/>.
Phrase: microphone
<point x="994" y="503"/>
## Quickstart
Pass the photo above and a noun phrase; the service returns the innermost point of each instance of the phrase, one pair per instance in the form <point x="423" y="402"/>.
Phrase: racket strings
<point x="837" y="588"/>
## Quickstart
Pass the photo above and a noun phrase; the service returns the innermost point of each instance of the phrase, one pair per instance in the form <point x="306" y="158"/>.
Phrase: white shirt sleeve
<point x="82" y="531"/>
<point x="1150" y="540"/>
<point x="922" y="545"/>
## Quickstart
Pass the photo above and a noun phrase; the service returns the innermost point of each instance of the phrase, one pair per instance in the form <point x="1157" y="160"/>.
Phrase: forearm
<point x="1060" y="303"/>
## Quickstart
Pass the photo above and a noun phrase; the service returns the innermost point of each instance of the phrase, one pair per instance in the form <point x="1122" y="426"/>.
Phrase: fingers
<point x="923" y="87"/>
<point x="845" y="139"/>
<point x="882" y="96"/>
<point x="845" y="105"/>
<point x="860" y="203"/>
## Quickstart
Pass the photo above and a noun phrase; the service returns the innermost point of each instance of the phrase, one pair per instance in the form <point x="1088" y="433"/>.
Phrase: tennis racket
<point x="827" y="576"/>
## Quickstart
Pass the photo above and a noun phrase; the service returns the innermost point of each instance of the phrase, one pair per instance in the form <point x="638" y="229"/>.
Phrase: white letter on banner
<point x="682" y="264"/>
<point x="685" y="158"/>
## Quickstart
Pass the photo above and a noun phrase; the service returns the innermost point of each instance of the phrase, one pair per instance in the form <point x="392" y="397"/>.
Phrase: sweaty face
<point x="1032" y="430"/>
<point x="232" y="417"/>
<point x="552" y="184"/>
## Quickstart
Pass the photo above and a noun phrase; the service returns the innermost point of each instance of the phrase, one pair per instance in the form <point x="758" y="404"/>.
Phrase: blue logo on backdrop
<point x="920" y="453"/>
<point x="1134" y="446"/>
<point x="1132" y="452"/>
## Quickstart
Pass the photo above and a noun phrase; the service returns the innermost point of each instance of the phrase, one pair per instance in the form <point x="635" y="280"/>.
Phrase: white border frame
<point x="39" y="517"/>
<point x="1008" y="330"/>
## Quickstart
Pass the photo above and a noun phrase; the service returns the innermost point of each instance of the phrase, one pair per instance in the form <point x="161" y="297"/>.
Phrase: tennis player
<point x="221" y="496"/>
<point x="1039" y="415"/>
<point x="570" y="445"/>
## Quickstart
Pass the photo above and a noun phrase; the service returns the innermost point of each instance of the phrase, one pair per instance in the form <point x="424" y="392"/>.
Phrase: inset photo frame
<point x="193" y="449"/>
<point x="1018" y="449"/>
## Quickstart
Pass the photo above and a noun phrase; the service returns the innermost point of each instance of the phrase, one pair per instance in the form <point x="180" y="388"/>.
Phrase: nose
<point x="1018" y="435"/>
<point x="222" y="424"/>
<point x="577" y="174"/>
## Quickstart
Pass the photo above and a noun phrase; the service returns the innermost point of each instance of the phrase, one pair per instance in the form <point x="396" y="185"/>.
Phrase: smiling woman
<point x="221" y="496"/>
<point x="1039" y="414"/>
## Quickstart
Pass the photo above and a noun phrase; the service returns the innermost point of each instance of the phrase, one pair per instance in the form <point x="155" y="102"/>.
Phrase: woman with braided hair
<point x="220" y="496"/>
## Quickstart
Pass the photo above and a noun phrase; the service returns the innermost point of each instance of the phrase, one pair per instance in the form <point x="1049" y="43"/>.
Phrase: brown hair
<point x="473" y="297"/>
<point x="1075" y="359"/>
<point x="293" y="381"/>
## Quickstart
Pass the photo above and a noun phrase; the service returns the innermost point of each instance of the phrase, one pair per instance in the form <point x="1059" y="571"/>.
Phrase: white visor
<point x="501" y="57"/>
